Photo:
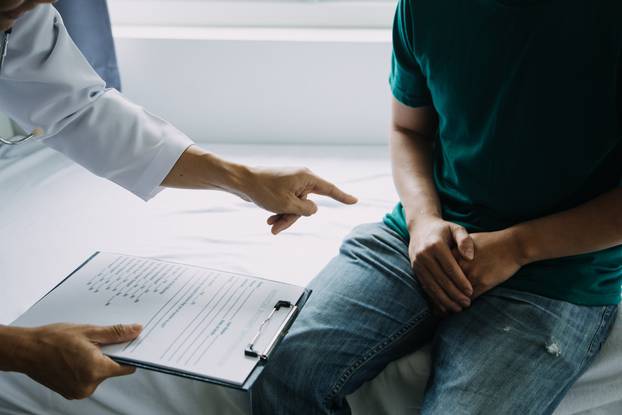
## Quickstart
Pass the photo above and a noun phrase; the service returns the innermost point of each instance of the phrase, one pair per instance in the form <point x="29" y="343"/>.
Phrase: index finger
<point x="451" y="268"/>
<point x="324" y="188"/>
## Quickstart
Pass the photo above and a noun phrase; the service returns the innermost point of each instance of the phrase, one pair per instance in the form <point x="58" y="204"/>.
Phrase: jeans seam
<point x="603" y="321"/>
<point x="347" y="374"/>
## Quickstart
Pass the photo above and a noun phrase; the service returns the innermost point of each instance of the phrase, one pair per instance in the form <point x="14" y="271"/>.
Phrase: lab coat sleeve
<point x="47" y="83"/>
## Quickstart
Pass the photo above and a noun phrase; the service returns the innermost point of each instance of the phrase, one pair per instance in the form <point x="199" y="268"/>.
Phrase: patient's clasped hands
<point x="455" y="267"/>
<point x="497" y="258"/>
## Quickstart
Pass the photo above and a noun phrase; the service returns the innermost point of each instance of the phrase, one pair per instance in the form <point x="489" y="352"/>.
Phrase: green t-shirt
<point x="529" y="98"/>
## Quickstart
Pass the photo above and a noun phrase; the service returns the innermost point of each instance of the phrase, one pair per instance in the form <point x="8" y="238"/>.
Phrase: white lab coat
<point x="47" y="83"/>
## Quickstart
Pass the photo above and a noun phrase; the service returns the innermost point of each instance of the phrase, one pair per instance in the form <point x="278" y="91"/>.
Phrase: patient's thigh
<point x="367" y="296"/>
<point x="512" y="352"/>
<point x="366" y="310"/>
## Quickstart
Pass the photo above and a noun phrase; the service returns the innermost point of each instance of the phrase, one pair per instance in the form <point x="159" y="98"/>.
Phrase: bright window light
<point x="366" y="14"/>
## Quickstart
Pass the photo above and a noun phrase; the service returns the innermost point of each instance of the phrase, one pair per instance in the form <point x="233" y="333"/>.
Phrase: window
<point x="368" y="14"/>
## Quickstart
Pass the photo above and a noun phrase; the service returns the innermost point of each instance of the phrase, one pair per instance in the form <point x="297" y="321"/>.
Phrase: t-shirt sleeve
<point x="408" y="83"/>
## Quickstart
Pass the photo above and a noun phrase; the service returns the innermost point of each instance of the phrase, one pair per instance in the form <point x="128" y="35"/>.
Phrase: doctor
<point x="47" y="86"/>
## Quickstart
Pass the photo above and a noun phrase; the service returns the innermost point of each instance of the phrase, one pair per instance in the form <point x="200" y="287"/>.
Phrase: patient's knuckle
<point x="426" y="250"/>
<point x="417" y="261"/>
<point x="432" y="245"/>
<point x="436" y="244"/>
<point x="422" y="247"/>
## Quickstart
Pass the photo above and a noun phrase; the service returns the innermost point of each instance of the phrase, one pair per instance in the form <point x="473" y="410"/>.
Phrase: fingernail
<point x="136" y="327"/>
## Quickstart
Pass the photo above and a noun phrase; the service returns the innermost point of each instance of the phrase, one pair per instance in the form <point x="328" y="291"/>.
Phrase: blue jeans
<point x="511" y="352"/>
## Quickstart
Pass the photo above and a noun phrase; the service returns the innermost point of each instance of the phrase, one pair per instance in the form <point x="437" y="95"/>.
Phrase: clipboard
<point x="261" y="357"/>
<point x="249" y="349"/>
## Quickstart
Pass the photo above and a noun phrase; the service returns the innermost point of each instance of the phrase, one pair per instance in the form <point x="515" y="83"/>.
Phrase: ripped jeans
<point x="511" y="352"/>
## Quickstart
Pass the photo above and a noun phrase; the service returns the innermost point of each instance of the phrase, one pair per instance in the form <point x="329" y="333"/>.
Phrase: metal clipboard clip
<point x="250" y="348"/>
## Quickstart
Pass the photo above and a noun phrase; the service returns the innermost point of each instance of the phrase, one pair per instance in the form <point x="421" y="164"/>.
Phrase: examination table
<point x="55" y="214"/>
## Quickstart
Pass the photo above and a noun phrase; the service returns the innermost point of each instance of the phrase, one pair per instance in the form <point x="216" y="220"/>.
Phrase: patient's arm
<point x="593" y="226"/>
<point x="281" y="191"/>
<point x="431" y="238"/>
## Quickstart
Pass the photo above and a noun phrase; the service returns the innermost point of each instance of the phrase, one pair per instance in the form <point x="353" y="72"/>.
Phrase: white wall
<point x="261" y="85"/>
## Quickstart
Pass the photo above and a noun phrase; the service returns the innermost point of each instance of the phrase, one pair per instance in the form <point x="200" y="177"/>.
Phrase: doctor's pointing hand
<point x="48" y="87"/>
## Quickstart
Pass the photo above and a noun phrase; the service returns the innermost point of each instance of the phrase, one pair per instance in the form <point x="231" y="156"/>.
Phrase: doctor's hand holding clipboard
<point x="48" y="87"/>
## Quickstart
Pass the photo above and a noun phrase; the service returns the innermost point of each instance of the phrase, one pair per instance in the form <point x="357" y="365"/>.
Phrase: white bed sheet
<point x="55" y="214"/>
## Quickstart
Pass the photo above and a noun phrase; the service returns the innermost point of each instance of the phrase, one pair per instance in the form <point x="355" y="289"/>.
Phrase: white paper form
<point x="195" y="320"/>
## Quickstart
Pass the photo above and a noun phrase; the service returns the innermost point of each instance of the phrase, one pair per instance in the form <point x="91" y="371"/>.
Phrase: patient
<point x="504" y="252"/>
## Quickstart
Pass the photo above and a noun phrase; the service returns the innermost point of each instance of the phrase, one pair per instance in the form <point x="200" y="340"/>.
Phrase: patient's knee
<point x="361" y="239"/>
<point x="295" y="377"/>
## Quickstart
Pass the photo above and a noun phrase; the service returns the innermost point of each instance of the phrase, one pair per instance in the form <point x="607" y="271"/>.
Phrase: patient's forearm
<point x="593" y="226"/>
<point x="411" y="156"/>
<point x="198" y="169"/>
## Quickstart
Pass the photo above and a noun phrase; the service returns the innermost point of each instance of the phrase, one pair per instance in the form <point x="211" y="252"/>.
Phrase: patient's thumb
<point x="119" y="333"/>
<point x="464" y="242"/>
